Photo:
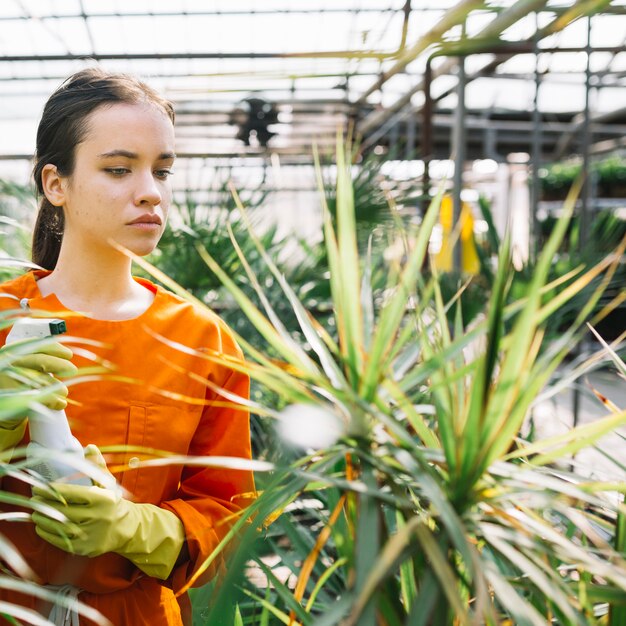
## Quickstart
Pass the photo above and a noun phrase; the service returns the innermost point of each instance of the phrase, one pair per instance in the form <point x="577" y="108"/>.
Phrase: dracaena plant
<point x="416" y="500"/>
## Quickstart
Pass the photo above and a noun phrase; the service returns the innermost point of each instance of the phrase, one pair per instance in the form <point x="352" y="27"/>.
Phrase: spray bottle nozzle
<point x="57" y="327"/>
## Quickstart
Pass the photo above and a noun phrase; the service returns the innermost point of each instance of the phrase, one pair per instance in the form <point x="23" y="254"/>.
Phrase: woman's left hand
<point x="99" y="520"/>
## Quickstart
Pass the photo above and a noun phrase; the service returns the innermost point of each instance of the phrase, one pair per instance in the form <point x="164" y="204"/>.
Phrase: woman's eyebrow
<point x="133" y="155"/>
<point x="118" y="153"/>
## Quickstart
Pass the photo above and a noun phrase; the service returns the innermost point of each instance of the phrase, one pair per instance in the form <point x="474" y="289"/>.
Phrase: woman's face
<point x="120" y="189"/>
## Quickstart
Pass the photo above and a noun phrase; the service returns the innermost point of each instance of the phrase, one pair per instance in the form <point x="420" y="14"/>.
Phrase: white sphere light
<point x="309" y="426"/>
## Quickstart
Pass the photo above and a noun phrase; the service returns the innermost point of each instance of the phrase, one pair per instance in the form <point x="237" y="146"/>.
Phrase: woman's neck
<point x="100" y="289"/>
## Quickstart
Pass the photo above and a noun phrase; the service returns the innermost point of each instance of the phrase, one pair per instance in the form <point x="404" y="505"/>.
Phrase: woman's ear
<point x="53" y="185"/>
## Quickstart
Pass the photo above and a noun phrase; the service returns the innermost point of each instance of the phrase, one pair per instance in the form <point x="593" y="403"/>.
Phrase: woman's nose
<point x="148" y="190"/>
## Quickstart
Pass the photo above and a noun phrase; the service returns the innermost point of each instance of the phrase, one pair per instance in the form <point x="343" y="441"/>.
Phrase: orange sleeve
<point x="207" y="499"/>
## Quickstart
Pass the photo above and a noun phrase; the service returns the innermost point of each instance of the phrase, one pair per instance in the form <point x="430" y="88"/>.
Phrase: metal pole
<point x="536" y="156"/>
<point x="427" y="132"/>
<point x="587" y="183"/>
<point x="394" y="140"/>
<point x="458" y="154"/>
<point x="409" y="146"/>
<point x="583" y="222"/>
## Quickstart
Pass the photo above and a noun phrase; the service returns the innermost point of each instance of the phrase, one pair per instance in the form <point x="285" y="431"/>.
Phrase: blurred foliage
<point x="555" y="180"/>
<point x="610" y="176"/>
<point x="16" y="201"/>
<point x="378" y="198"/>
<point x="191" y="222"/>
<point x="608" y="230"/>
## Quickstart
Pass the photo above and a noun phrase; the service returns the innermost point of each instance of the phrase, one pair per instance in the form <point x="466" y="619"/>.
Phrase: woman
<point x="105" y="151"/>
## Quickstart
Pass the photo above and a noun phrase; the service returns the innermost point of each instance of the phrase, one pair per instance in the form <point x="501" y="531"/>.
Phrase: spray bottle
<point x="50" y="430"/>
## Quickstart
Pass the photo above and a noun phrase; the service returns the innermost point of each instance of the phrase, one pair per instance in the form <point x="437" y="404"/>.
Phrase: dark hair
<point x="62" y="127"/>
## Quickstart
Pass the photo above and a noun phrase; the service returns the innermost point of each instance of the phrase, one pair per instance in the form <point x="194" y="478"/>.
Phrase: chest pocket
<point x="155" y="428"/>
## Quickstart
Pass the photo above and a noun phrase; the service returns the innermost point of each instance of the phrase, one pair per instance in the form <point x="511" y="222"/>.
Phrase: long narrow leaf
<point x="349" y="264"/>
<point x="551" y="586"/>
<point x="269" y="310"/>
<point x="309" y="330"/>
<point x="571" y="442"/>
<point x="275" y="338"/>
<point x="392" y="314"/>
<point x="512" y="374"/>
<point x="524" y="613"/>
<point x="334" y="263"/>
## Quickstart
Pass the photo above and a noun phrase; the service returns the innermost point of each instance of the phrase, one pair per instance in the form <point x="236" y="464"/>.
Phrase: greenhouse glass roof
<point x="308" y="67"/>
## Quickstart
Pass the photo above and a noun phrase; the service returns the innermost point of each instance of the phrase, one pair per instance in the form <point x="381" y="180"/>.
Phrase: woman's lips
<point x="147" y="222"/>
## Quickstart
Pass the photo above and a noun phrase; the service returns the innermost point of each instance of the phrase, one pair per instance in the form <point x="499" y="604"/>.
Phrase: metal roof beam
<point x="580" y="9"/>
<point x="492" y="30"/>
<point x="218" y="13"/>
<point x="270" y="75"/>
<point x="156" y="56"/>
<point x="84" y="16"/>
<point x="294" y="10"/>
<point x="451" y="18"/>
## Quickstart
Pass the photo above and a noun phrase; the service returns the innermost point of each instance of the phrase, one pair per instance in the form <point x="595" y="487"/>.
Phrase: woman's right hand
<point x="37" y="370"/>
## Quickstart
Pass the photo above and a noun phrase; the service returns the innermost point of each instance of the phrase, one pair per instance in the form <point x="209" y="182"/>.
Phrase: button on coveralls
<point x="165" y="406"/>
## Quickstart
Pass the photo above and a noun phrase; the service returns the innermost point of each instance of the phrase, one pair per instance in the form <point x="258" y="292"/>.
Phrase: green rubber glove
<point x="32" y="370"/>
<point x="100" y="520"/>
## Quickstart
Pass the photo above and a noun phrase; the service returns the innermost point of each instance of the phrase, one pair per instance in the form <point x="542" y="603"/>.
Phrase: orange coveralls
<point x="153" y="412"/>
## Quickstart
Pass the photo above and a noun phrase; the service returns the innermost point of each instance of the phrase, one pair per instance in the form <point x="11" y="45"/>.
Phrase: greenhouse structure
<point x="408" y="218"/>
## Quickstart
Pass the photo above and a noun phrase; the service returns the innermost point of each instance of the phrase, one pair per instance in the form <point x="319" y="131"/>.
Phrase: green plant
<point x="191" y="222"/>
<point x="16" y="199"/>
<point x="14" y="234"/>
<point x="611" y="173"/>
<point x="378" y="199"/>
<point x="607" y="231"/>
<point x="555" y="179"/>
<point x="426" y="506"/>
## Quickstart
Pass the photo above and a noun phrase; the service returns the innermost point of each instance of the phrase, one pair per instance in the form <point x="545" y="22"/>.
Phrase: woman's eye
<point x="117" y="171"/>
<point x="163" y="174"/>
